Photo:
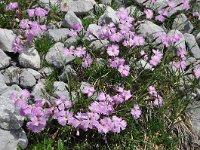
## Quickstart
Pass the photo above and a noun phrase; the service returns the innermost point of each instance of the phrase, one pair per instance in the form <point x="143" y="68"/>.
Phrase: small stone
<point x="70" y="20"/>
<point x="7" y="38"/>
<point x="57" y="34"/>
<point x="108" y="16"/>
<point x="10" y="140"/>
<point x="79" y="7"/>
<point x="57" y="57"/>
<point x="192" y="45"/>
<point x="11" y="75"/>
<point x="4" y="60"/>
<point x="30" y="59"/>
<point x="27" y="80"/>
<point x="182" y="24"/>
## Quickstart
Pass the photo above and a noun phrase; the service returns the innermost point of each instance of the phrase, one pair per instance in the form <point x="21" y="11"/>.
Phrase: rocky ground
<point x="26" y="70"/>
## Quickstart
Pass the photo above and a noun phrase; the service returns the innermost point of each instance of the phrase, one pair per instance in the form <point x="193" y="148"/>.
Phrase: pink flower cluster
<point x="164" y="13"/>
<point x="156" y="58"/>
<point x="158" y="100"/>
<point x="80" y="52"/>
<point x="168" y="39"/>
<point x="98" y="117"/>
<point x="37" y="12"/>
<point x="182" y="64"/>
<point x="76" y="28"/>
<point x="29" y="29"/>
<point x="12" y="6"/>
<point x="120" y="33"/>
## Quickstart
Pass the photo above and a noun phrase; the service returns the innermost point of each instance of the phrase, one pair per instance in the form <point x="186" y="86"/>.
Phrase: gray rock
<point x="79" y="7"/>
<point x="148" y="28"/>
<point x="27" y="80"/>
<point x="192" y="45"/>
<point x="39" y="90"/>
<point x="48" y="3"/>
<point x="98" y="44"/>
<point x="198" y="38"/>
<point x="106" y="2"/>
<point x="46" y="71"/>
<point x="108" y="16"/>
<point x="7" y="38"/>
<point x="9" y="116"/>
<point x="57" y="34"/>
<point x="182" y="24"/>
<point x="11" y="75"/>
<point x="4" y="60"/>
<point x="10" y="140"/>
<point x="121" y="2"/>
<point x="30" y="59"/>
<point x="181" y="42"/>
<point x="132" y="10"/>
<point x="194" y="110"/>
<point x="160" y="4"/>
<point x="3" y="86"/>
<point x="71" y="19"/>
<point x="67" y="70"/>
<point x="144" y="64"/>
<point x="91" y="33"/>
<point x="57" y="57"/>
<point x="35" y="73"/>
<point x="60" y="88"/>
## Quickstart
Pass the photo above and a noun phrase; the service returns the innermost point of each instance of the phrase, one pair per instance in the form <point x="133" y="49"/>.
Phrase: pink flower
<point x="152" y="91"/>
<point x="136" y="112"/>
<point x="40" y="12"/>
<point x="149" y="13"/>
<point x="24" y="24"/>
<point x="197" y="72"/>
<point x="12" y="6"/>
<point x="17" y="46"/>
<point x="156" y="58"/>
<point x="158" y="101"/>
<point x="113" y="50"/>
<point x="36" y="124"/>
<point x="77" y="27"/>
<point x="180" y="64"/>
<point x="89" y="90"/>
<point x="80" y="51"/>
<point x="87" y="61"/>
<point x="160" y="18"/>
<point x="124" y="70"/>
<point x="31" y="12"/>
<point x="118" y="124"/>
<point x="171" y="4"/>
<point x="101" y="96"/>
